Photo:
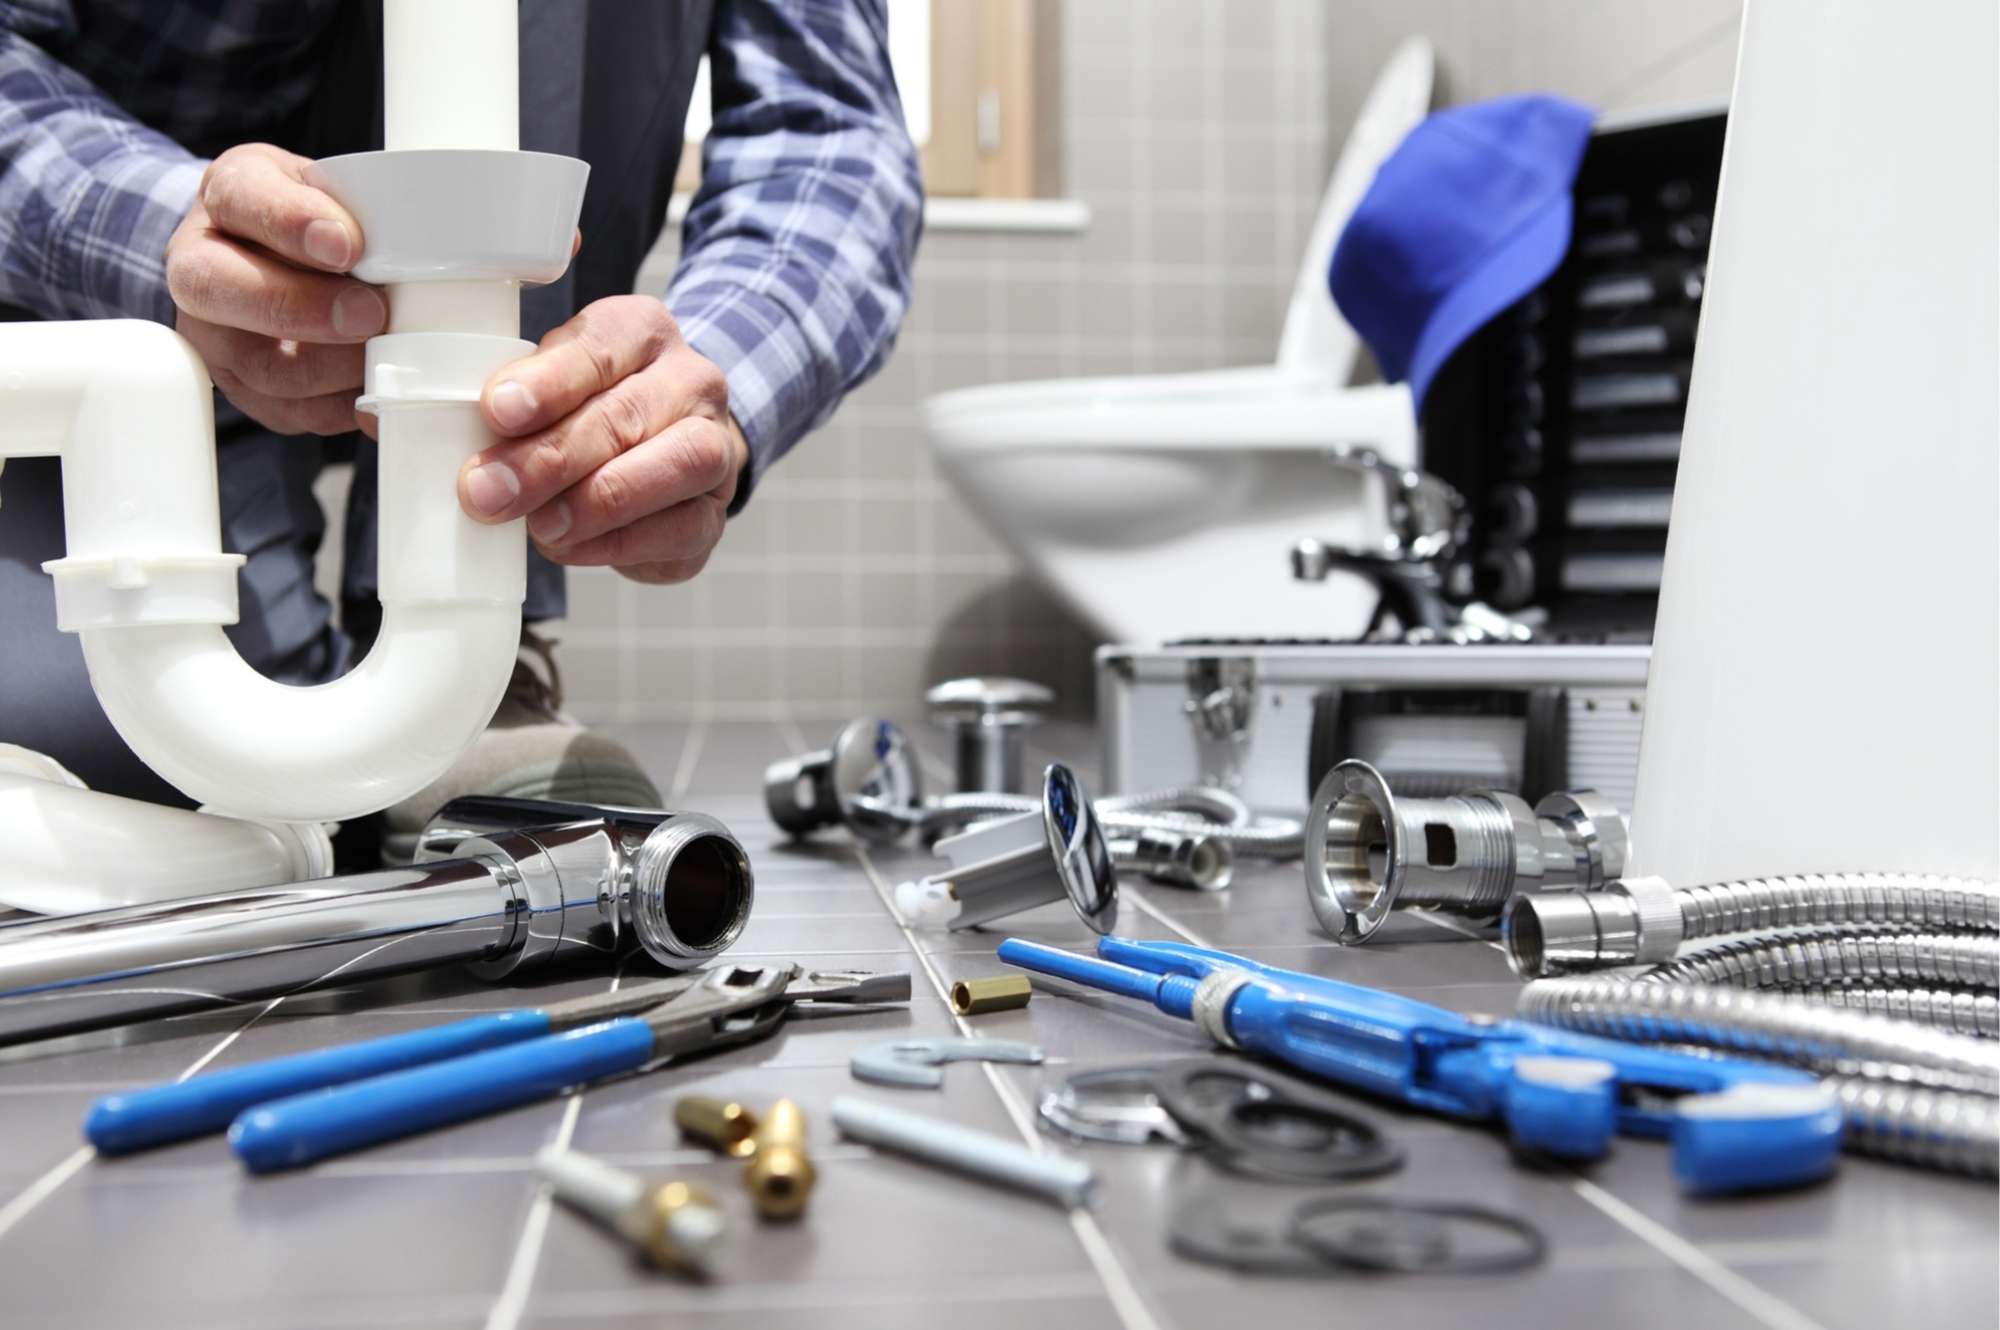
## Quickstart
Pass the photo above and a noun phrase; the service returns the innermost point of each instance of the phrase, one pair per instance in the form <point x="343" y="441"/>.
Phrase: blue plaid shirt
<point x="795" y="254"/>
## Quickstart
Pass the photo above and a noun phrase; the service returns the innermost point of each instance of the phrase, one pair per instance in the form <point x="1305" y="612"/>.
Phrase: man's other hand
<point x="617" y="445"/>
<point x="255" y="269"/>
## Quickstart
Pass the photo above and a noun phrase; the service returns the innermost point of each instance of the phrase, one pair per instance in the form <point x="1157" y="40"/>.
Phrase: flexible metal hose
<point x="1943" y="1129"/>
<point x="1951" y="1121"/>
<point x="1917" y="1125"/>
<point x="1824" y="1039"/>
<point x="1645" y="920"/>
<point x="1964" y="1012"/>
<point x="1818" y="958"/>
<point x="1194" y="809"/>
<point x="1908" y="900"/>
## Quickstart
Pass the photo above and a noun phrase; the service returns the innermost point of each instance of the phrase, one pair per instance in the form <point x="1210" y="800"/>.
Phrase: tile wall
<point x="1200" y="133"/>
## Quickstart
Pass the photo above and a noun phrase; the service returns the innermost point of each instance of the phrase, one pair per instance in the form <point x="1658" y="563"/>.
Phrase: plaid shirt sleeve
<point x="796" y="252"/>
<point x="88" y="196"/>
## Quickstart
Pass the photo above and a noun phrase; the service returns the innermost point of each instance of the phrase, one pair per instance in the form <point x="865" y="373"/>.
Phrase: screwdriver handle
<point x="290" y="1132"/>
<point x="140" y="1119"/>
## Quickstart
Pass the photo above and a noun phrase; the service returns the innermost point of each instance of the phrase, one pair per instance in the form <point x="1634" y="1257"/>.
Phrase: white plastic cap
<point x="926" y="903"/>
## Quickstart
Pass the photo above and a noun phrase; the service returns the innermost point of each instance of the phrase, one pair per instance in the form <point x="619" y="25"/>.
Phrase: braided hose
<point x="1907" y="900"/>
<point x="1824" y="1039"/>
<point x="1813" y="958"/>
<point x="1189" y="810"/>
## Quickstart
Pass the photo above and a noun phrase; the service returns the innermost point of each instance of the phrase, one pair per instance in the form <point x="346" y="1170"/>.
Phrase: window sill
<point x="1014" y="216"/>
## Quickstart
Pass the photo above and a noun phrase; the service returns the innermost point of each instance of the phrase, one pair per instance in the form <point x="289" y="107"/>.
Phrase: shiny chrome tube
<point x="1645" y="920"/>
<point x="677" y="885"/>
<point x="1194" y="810"/>
<point x="84" y="971"/>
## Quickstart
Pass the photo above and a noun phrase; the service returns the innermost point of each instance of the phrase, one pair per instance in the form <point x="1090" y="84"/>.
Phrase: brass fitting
<point x="780" y="1174"/>
<point x="722" y="1125"/>
<point x="974" y="997"/>
<point x="674" y="1225"/>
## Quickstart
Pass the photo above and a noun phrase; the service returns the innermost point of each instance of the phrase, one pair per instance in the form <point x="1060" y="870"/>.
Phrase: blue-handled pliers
<point x="1735" y="1124"/>
<point x="292" y="1110"/>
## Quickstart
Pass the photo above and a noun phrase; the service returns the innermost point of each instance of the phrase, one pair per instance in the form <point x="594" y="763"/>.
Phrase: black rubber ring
<point x="1357" y="1149"/>
<point x="1203" y="1229"/>
<point x="1533" y="1245"/>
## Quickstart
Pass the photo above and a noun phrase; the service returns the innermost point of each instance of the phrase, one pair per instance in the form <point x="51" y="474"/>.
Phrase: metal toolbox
<point x="1266" y="719"/>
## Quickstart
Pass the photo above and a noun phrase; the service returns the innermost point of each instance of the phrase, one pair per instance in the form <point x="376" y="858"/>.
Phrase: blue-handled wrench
<point x="1734" y="1124"/>
<point x="159" y="1114"/>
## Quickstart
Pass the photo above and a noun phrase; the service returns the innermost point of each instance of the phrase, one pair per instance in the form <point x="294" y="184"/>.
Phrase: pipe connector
<point x="677" y="885"/>
<point x="1369" y="854"/>
<point x="868" y="781"/>
<point x="1176" y="859"/>
<point x="1010" y="864"/>
<point x="988" y="718"/>
<point x="1633" y="921"/>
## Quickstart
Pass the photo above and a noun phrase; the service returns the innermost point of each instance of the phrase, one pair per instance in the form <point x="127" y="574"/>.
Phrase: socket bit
<point x="780" y="1173"/>
<point x="975" y="997"/>
<point x="674" y="1225"/>
<point x="720" y="1124"/>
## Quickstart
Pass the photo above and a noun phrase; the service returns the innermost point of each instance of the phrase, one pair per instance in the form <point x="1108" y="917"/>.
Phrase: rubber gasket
<point x="1378" y="1257"/>
<point x="1204" y="1229"/>
<point x="1348" y="1146"/>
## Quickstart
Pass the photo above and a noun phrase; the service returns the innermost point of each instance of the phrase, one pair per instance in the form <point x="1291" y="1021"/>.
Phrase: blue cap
<point x="1468" y="215"/>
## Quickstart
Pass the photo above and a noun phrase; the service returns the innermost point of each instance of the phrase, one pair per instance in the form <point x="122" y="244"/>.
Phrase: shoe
<point x="529" y="750"/>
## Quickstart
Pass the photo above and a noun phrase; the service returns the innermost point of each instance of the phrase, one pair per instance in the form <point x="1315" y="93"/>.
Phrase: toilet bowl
<point x="1165" y="506"/>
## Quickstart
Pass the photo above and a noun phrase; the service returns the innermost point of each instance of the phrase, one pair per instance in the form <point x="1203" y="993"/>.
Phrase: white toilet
<point x="1166" y="506"/>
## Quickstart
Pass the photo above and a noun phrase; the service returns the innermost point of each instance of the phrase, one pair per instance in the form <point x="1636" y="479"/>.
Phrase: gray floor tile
<point x="428" y="1231"/>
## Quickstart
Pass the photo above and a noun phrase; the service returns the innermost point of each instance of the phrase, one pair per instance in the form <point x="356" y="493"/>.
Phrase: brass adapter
<point x="720" y="1124"/>
<point x="972" y="997"/>
<point x="675" y="1225"/>
<point x="780" y="1174"/>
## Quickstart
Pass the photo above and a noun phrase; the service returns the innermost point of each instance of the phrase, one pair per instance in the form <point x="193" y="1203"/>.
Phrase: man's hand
<point x="618" y="445"/>
<point x="254" y="270"/>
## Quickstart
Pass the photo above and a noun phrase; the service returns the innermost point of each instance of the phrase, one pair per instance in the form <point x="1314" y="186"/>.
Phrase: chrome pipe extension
<point x="868" y="780"/>
<point x="1369" y="853"/>
<point x="1191" y="810"/>
<point x="1199" y="863"/>
<point x="677" y="885"/>
<point x="1644" y="920"/>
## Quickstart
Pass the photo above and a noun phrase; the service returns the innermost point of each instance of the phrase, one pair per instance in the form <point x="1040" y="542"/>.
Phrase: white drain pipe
<point x="453" y="220"/>
<point x="68" y="849"/>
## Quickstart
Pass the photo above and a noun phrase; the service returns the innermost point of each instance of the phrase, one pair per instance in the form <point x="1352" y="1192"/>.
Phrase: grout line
<point x="1119" y="1288"/>
<point x="43" y="1187"/>
<point x="1767" y="1308"/>
<point x="39" y="1190"/>
<point x="512" y="1302"/>
<point x="690" y="754"/>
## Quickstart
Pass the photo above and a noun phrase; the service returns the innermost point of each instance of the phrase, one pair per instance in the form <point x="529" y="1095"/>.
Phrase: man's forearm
<point x="88" y="196"/>
<point x="797" y="251"/>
